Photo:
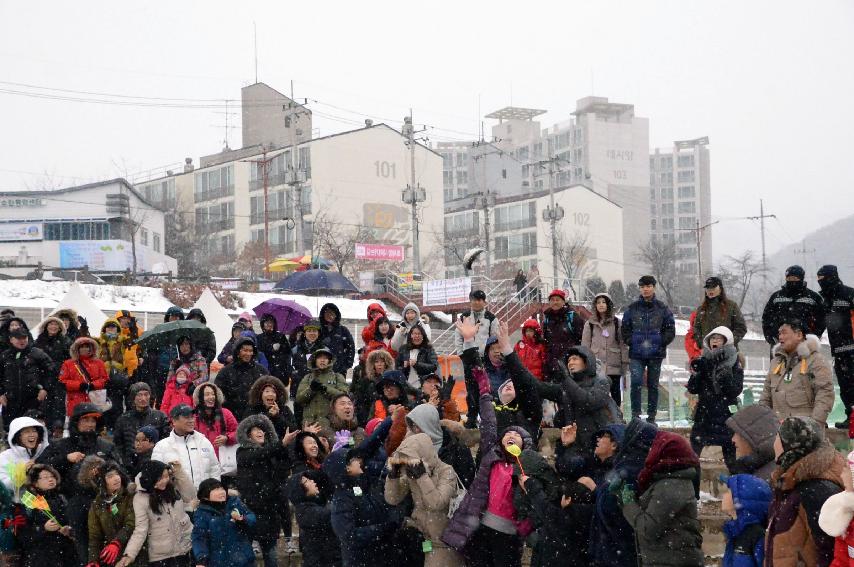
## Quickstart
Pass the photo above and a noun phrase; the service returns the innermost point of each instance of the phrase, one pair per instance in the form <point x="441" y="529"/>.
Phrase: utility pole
<point x="762" y="216"/>
<point x="294" y="178"/>
<point x="264" y="163"/>
<point x="414" y="193"/>
<point x="553" y="214"/>
<point x="698" y="234"/>
<point x="804" y="251"/>
<point x="486" y="202"/>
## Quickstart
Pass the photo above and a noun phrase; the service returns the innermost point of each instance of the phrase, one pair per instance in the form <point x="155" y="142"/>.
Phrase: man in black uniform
<point x="839" y="309"/>
<point x="794" y="301"/>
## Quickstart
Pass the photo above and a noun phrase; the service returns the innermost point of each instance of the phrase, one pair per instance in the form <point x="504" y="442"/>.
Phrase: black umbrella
<point x="317" y="282"/>
<point x="166" y="334"/>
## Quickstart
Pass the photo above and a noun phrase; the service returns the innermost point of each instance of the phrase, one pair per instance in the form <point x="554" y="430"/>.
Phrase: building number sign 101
<point x="385" y="169"/>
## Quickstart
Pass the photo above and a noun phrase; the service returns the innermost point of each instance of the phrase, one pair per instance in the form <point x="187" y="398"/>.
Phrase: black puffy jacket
<point x="278" y="358"/>
<point x="337" y="338"/>
<point x="22" y="374"/>
<point x="237" y="378"/>
<point x="839" y="307"/>
<point x="793" y="303"/>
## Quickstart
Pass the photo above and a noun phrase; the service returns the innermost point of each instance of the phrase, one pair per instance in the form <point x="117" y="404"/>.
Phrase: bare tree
<point x="573" y="254"/>
<point x="449" y="248"/>
<point x="743" y="269"/>
<point x="336" y="241"/>
<point x="250" y="261"/>
<point x="660" y="256"/>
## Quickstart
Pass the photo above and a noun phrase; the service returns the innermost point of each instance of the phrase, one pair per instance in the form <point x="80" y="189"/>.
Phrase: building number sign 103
<point x="385" y="169"/>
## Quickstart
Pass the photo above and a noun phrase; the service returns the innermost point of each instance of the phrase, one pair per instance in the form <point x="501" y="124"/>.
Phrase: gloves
<point x="317" y="386"/>
<point x="395" y="470"/>
<point x="342" y="439"/>
<point x="627" y="495"/>
<point x="699" y="364"/>
<point x="85" y="387"/>
<point x="111" y="552"/>
<point x="482" y="380"/>
<point x="416" y="471"/>
<point x="15" y="522"/>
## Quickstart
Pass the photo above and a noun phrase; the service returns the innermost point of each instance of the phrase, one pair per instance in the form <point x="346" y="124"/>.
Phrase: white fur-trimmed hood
<point x="810" y="345"/>
<point x="836" y="514"/>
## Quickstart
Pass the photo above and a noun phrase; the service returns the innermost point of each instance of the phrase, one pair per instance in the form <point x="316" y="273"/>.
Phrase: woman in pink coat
<point x="178" y="389"/>
<point x="213" y="421"/>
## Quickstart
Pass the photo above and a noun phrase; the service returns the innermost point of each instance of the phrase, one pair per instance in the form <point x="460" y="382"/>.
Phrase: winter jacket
<point x="532" y="351"/>
<point x="316" y="403"/>
<point x="193" y="451"/>
<point x="563" y="534"/>
<point x="647" y="328"/>
<point x="431" y="493"/>
<point x="72" y="331"/>
<point x="562" y="330"/>
<point x="370" y="329"/>
<point x="262" y="471"/>
<point x="132" y="332"/>
<point x="320" y="545"/>
<point x="664" y="515"/>
<point x="194" y="364"/>
<point x="57" y="346"/>
<point x="717" y="379"/>
<point x="237" y="378"/>
<point x="208" y="347"/>
<point x="167" y="534"/>
<point x="22" y="374"/>
<point x="401" y="331"/>
<point x="719" y="312"/>
<point x="275" y="346"/>
<point x="426" y="362"/>
<point x="338" y="339"/>
<point x="758" y="425"/>
<point x="90" y="443"/>
<point x="129" y="423"/>
<point x="571" y="463"/>
<point x="839" y="309"/>
<point x="488" y="328"/>
<point x="176" y="394"/>
<point x="745" y="535"/>
<point x="44" y="548"/>
<point x="604" y="340"/>
<point x="113" y="520"/>
<point x="612" y="538"/>
<point x="14" y="459"/>
<point x="793" y="302"/>
<point x="219" y="541"/>
<point x="228" y="348"/>
<point x="455" y="453"/>
<point x="586" y="400"/>
<point x="800" y="383"/>
<point x="364" y="381"/>
<point x="284" y="419"/>
<point x="691" y="348"/>
<point x="794" y="536"/>
<point x="77" y="384"/>
<point x="112" y="350"/>
<point x="300" y="355"/>
<point x="222" y="421"/>
<point x="380" y="408"/>
<point x="835" y="520"/>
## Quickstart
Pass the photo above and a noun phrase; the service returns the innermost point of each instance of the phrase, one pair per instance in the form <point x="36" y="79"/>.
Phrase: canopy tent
<point x="78" y="300"/>
<point x="218" y="320"/>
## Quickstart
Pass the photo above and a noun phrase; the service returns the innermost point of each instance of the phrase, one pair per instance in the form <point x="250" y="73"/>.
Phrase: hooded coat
<point x="380" y="408"/>
<point x="13" y="460"/>
<point x="73" y="329"/>
<point x="132" y="332"/>
<point x="77" y="383"/>
<point x="284" y="418"/>
<point x="22" y="374"/>
<point x="320" y="545"/>
<point x="44" y="548"/>
<point x="401" y="332"/>
<point x="112" y="519"/>
<point x="221" y="422"/>
<point x="431" y="494"/>
<point x="563" y="534"/>
<point x="571" y="463"/>
<point x="612" y="538"/>
<point x="800" y="383"/>
<point x="208" y="348"/>
<point x="276" y="348"/>
<point x="839" y="306"/>
<point x="717" y="378"/>
<point x="112" y="350"/>
<point x="176" y="394"/>
<point x="57" y="346"/>
<point x="300" y="353"/>
<point x="237" y="378"/>
<point x="758" y="425"/>
<point x="316" y="403"/>
<point x="745" y="535"/>
<point x="228" y="348"/>
<point x="220" y="541"/>
<point x="603" y="338"/>
<point x="338" y="339"/>
<point x="794" y="536"/>
<point x="373" y="313"/>
<point x="835" y="520"/>
<point x="793" y="301"/>
<point x="647" y="328"/>
<point x="562" y="329"/>
<point x="532" y="351"/>
<point x="664" y="516"/>
<point x="363" y="386"/>
<point x="194" y="363"/>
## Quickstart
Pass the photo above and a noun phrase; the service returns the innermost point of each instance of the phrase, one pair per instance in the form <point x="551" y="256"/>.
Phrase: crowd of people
<point x="119" y="456"/>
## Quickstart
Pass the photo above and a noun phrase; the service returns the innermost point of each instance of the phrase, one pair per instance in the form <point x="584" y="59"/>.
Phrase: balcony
<point x="215" y="226"/>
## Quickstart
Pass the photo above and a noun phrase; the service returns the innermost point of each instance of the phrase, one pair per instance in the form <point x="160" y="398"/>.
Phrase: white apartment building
<point x="681" y="199"/>
<point x="106" y="226"/>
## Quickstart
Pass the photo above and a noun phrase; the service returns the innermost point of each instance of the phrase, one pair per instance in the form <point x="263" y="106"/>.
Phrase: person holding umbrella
<point x="275" y="346"/>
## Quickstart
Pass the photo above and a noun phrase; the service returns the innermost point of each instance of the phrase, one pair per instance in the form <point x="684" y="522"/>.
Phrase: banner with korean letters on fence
<point x="385" y="252"/>
<point x="446" y="292"/>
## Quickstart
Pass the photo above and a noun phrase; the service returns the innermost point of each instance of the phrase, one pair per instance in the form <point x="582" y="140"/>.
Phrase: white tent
<point x="218" y="320"/>
<point x="78" y="300"/>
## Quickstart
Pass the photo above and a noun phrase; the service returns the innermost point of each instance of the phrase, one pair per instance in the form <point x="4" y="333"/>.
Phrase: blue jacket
<point x="364" y="523"/>
<point x="745" y="536"/>
<point x="220" y="542"/>
<point x="337" y="338"/>
<point x="648" y="328"/>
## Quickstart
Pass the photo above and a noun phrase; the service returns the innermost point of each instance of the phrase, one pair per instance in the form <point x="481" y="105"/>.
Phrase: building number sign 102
<point x="385" y="169"/>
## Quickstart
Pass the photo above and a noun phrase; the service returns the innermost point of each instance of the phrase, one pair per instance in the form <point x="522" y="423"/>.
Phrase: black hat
<point x="828" y="271"/>
<point x="150" y="473"/>
<point x="796" y="271"/>
<point x="646" y="280"/>
<point x="181" y="410"/>
<point x="477" y="294"/>
<point x="713" y="282"/>
<point x="19" y="333"/>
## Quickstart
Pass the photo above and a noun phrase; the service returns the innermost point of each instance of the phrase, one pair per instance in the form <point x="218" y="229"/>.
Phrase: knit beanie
<point x="150" y="474"/>
<point x="799" y="436"/>
<point x="150" y="433"/>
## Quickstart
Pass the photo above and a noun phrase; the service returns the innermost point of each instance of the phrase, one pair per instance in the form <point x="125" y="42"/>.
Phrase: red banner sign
<point x="384" y="252"/>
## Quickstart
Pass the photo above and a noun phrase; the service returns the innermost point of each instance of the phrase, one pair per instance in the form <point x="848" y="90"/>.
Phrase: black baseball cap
<point x="478" y="294"/>
<point x="19" y="333"/>
<point x="713" y="281"/>
<point x="181" y="410"/>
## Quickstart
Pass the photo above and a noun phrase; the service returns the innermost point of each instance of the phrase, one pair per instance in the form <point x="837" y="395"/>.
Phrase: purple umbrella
<point x="288" y="314"/>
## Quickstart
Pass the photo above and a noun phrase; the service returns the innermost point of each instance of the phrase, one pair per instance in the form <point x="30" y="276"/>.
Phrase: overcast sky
<point x="770" y="83"/>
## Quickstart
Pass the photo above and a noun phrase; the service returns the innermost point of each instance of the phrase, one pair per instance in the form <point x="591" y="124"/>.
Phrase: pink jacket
<point x="225" y="425"/>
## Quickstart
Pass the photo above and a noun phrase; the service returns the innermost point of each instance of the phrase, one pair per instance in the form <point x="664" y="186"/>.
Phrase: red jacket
<point x="837" y="520"/>
<point x="532" y="352"/>
<point x="690" y="344"/>
<point x="369" y="329"/>
<point x="73" y="378"/>
<point x="176" y="394"/>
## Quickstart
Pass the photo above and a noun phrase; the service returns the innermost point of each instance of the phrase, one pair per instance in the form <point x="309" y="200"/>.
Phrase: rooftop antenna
<point x="255" y="30"/>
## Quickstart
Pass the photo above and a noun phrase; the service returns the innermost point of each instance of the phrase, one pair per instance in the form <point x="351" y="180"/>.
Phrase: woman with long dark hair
<point x="602" y="336"/>
<point x="717" y="310"/>
<point x="417" y="358"/>
<point x="213" y="421"/>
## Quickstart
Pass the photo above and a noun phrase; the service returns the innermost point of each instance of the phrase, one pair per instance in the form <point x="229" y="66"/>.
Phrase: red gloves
<point x="15" y="522"/>
<point x="482" y="380"/>
<point x="111" y="552"/>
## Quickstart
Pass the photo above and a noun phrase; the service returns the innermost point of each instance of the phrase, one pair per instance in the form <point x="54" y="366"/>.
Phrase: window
<point x="667" y="224"/>
<point x="214" y="184"/>
<point x="667" y="162"/>
<point x="652" y="208"/>
<point x="462" y="177"/>
<point x="686" y="176"/>
<point x="652" y="195"/>
<point x="687" y="207"/>
<point x="538" y="149"/>
<point x="686" y="192"/>
<point x="93" y="230"/>
<point x="687" y="222"/>
<point x="462" y="159"/>
<point x="522" y="153"/>
<point x="304" y="163"/>
<point x="666" y="209"/>
<point x="667" y="178"/>
<point x="651" y="163"/>
<point x="652" y="224"/>
<point x="276" y="170"/>
<point x="462" y="224"/>
<point x="159" y="193"/>
<point x="515" y="245"/>
<point x="667" y="192"/>
<point x="447" y="161"/>
<point x="686" y="161"/>
<point x="143" y="236"/>
<point x="515" y="216"/>
<point x="215" y="218"/>
<point x="447" y="178"/>
<point x="504" y="174"/>
<point x="156" y="242"/>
